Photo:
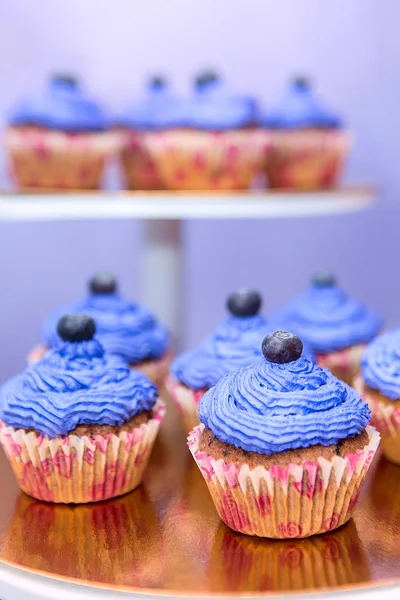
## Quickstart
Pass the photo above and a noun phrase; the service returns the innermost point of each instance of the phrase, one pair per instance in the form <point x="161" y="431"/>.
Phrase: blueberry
<point x="323" y="279"/>
<point x="157" y="82"/>
<point x="244" y="303"/>
<point x="205" y="78"/>
<point x="301" y="83"/>
<point x="76" y="328"/>
<point x="64" y="79"/>
<point x="103" y="283"/>
<point x="282" y="347"/>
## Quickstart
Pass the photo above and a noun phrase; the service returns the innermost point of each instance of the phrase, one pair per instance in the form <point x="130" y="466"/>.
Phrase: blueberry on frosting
<point x="103" y="283"/>
<point x="76" y="328"/>
<point x="282" y="347"/>
<point x="244" y="303"/>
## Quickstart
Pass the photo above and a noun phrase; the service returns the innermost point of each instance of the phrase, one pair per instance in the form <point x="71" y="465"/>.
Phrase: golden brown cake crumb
<point x="211" y="445"/>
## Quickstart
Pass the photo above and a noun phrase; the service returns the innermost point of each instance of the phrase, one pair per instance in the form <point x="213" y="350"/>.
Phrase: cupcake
<point x="236" y="342"/>
<point x="217" y="147"/>
<point x="335" y="326"/>
<point x="308" y="146"/>
<point x="283" y="445"/>
<point x="123" y="327"/>
<point x="379" y="385"/>
<point x="142" y="123"/>
<point x="57" y="139"/>
<point x="79" y="426"/>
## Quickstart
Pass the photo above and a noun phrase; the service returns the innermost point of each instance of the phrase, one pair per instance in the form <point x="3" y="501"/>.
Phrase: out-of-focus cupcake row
<point x="216" y="139"/>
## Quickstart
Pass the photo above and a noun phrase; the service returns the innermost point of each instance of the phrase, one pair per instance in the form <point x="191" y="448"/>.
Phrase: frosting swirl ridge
<point x="75" y="383"/>
<point x="123" y="327"/>
<point x="380" y="365"/>
<point x="269" y="407"/>
<point x="328" y="320"/>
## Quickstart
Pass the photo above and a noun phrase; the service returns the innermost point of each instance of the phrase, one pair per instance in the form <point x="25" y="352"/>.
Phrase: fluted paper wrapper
<point x="310" y="159"/>
<point x="186" y="400"/>
<point x="291" y="501"/>
<point x="72" y="469"/>
<point x="386" y="418"/>
<point x="140" y="170"/>
<point x="55" y="160"/>
<point x="203" y="160"/>
<point x="344" y="364"/>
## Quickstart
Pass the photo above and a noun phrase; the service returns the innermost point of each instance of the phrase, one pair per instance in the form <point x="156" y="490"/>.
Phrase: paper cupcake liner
<point x="386" y="418"/>
<point x="139" y="168"/>
<point x="201" y="160"/>
<point x="36" y="354"/>
<point x="91" y="541"/>
<point x="241" y="563"/>
<point x="293" y="501"/>
<point x="72" y="469"/>
<point x="186" y="400"/>
<point x="344" y="364"/>
<point x="156" y="370"/>
<point x="41" y="159"/>
<point x="309" y="159"/>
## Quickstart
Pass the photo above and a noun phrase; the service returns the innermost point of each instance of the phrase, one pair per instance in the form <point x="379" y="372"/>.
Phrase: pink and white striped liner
<point x="73" y="469"/>
<point x="290" y="501"/>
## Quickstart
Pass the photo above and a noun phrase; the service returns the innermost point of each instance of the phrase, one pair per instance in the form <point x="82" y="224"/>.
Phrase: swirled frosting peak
<point x="300" y="108"/>
<point x="76" y="383"/>
<point x="270" y="407"/>
<point x="381" y="364"/>
<point x="235" y="342"/>
<point x="327" y="319"/>
<point x="62" y="105"/>
<point x="123" y="327"/>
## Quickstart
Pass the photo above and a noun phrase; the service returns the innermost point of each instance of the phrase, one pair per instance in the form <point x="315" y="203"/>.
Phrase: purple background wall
<point x="351" y="50"/>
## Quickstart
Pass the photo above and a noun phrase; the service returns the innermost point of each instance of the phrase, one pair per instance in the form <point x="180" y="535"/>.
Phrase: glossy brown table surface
<point x="167" y="537"/>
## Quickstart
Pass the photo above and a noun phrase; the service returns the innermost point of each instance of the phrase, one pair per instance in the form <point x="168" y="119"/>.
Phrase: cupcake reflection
<point x="112" y="542"/>
<point x="246" y="564"/>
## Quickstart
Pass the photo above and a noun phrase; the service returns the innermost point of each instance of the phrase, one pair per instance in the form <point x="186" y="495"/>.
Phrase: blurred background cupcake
<point x="308" y="146"/>
<point x="123" y="327"/>
<point x="336" y="327"/>
<point x="236" y="342"/>
<point x="57" y="139"/>
<point x="217" y="147"/>
<point x="243" y="564"/>
<point x="379" y="385"/>
<point x="141" y="124"/>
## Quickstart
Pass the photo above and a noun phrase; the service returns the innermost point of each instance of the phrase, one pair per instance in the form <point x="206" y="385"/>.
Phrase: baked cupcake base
<point x="288" y="495"/>
<point x="344" y="364"/>
<point x="385" y="417"/>
<point x="306" y="159"/>
<point x="139" y="168"/>
<point x="46" y="159"/>
<point x="201" y="160"/>
<point x="91" y="464"/>
<point x="186" y="400"/>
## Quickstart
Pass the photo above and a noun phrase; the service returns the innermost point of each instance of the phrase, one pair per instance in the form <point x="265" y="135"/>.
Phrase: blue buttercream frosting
<point x="213" y="107"/>
<point x="328" y="320"/>
<point x="269" y="407"/>
<point x="159" y="109"/>
<point x="76" y="383"/>
<point x="380" y="365"/>
<point x="62" y="105"/>
<point x="123" y="328"/>
<point x="300" y="108"/>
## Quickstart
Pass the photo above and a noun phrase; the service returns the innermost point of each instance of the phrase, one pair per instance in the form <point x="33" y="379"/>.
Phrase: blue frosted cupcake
<point x="142" y="123"/>
<point x="283" y="445"/>
<point x="79" y="426"/>
<point x="217" y="145"/>
<point x="379" y="385"/>
<point x="57" y="139"/>
<point x="236" y="342"/>
<point x="123" y="328"/>
<point x="335" y="326"/>
<point x="308" y="144"/>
